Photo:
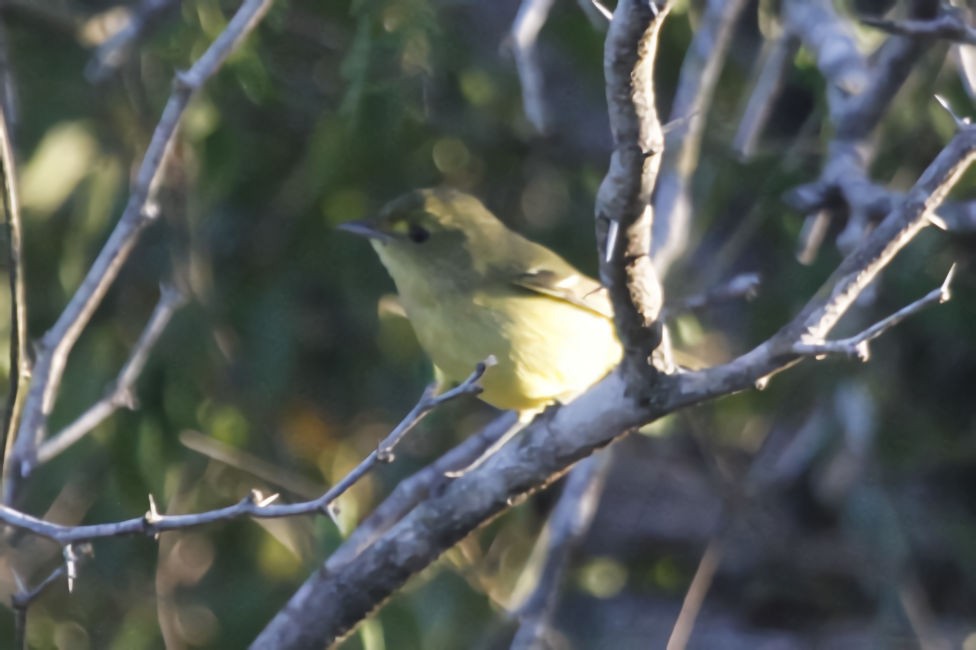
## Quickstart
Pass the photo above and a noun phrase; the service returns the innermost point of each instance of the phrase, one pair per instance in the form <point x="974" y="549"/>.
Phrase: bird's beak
<point x="364" y="229"/>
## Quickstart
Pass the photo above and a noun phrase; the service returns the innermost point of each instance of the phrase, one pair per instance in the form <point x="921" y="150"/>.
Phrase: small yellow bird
<point x="473" y="288"/>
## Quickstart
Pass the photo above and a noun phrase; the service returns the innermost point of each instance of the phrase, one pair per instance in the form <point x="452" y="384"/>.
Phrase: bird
<point x="472" y="289"/>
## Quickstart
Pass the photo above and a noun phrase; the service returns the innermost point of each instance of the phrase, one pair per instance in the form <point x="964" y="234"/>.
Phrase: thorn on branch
<point x="151" y="210"/>
<point x="152" y="516"/>
<point x="603" y="11"/>
<point x="937" y="221"/>
<point x="960" y="121"/>
<point x="332" y="511"/>
<point x="944" y="291"/>
<point x="73" y="554"/>
<point x="124" y="398"/>
<point x="613" y="231"/>
<point x="258" y="499"/>
<point x="18" y="581"/>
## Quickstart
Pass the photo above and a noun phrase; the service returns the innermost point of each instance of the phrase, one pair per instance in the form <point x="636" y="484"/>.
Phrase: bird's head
<point x="441" y="229"/>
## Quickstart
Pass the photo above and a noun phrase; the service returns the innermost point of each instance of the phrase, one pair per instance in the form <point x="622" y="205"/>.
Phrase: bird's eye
<point x="418" y="234"/>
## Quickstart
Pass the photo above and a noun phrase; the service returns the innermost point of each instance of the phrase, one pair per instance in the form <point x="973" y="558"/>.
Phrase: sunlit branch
<point x="949" y="25"/>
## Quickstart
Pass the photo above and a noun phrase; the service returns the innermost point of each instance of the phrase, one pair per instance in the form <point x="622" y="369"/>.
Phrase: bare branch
<point x="259" y="468"/>
<point x="253" y="505"/>
<point x="949" y="25"/>
<point x="742" y="286"/>
<point x="854" y="117"/>
<point x="428" y="402"/>
<point x="120" y="393"/>
<point x="528" y="23"/>
<point x="21" y="601"/>
<point x="140" y="210"/>
<point x="568" y="523"/>
<point x="332" y="602"/>
<point x="831" y="40"/>
<point x="773" y="65"/>
<point x="695" y="596"/>
<point x="840" y="291"/>
<point x="408" y="493"/>
<point x="623" y="210"/>
<point x="857" y="346"/>
<point x="20" y="367"/>
<point x="699" y="76"/>
<point x="844" y="177"/>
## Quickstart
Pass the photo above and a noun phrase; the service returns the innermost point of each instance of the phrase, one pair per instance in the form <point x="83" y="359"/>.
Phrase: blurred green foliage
<point x="288" y="353"/>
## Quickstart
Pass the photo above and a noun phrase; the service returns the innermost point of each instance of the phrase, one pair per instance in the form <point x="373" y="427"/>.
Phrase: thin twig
<point x="743" y="286"/>
<point x="568" y="523"/>
<point x="949" y="25"/>
<point x="428" y="402"/>
<point x="839" y="292"/>
<point x="844" y="177"/>
<point x="695" y="596"/>
<point x="22" y="599"/>
<point x="268" y="472"/>
<point x="775" y="61"/>
<point x="857" y="346"/>
<point x="255" y="504"/>
<point x="140" y="210"/>
<point x="831" y="40"/>
<point x="699" y="77"/>
<point x="120" y="393"/>
<point x="525" y="30"/>
<point x="20" y="370"/>
<point x="333" y="601"/>
<point x="411" y="491"/>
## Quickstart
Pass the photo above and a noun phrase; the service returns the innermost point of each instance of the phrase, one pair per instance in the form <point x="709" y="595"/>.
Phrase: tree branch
<point x="255" y="504"/>
<point x="331" y="603"/>
<point x="20" y="366"/>
<point x="857" y="346"/>
<point x="525" y="30"/>
<point x="699" y="76"/>
<point x="140" y="210"/>
<point x="569" y="522"/>
<point x="623" y="211"/>
<point x="949" y="25"/>
<point x="838" y="293"/>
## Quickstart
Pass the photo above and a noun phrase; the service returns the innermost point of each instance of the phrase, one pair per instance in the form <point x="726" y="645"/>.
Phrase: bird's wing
<point x="572" y="287"/>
